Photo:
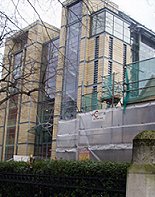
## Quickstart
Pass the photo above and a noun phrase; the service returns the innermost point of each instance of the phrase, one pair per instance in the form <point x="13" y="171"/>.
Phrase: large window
<point x="17" y="66"/>
<point x="109" y="23"/>
<point x="146" y="51"/>
<point x="75" y="12"/>
<point x="47" y="99"/>
<point x="51" y="59"/>
<point x="106" y="21"/>
<point x="126" y="34"/>
<point x="71" y="67"/>
<point x="117" y="27"/>
<point x="11" y="127"/>
<point x="98" y="23"/>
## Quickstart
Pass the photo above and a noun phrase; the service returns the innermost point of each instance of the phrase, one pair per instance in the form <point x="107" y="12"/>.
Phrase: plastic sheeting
<point x="104" y="134"/>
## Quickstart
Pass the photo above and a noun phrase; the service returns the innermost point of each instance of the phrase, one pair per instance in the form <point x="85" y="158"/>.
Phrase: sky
<point x="141" y="10"/>
<point x="50" y="11"/>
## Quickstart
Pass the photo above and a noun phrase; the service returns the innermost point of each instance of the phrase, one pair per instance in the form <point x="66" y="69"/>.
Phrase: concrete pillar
<point x="141" y="174"/>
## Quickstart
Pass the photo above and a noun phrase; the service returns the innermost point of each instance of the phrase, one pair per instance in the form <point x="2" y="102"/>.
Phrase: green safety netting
<point x="140" y="81"/>
<point x="111" y="89"/>
<point x="139" y="86"/>
<point x="91" y="102"/>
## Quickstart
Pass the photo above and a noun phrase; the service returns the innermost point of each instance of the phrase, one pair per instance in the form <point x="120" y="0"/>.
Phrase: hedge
<point x="78" y="176"/>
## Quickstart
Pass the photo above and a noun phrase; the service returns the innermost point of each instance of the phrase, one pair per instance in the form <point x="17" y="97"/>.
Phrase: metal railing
<point x="34" y="185"/>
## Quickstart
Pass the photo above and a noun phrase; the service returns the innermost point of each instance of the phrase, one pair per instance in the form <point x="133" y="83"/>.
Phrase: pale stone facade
<point x="20" y="141"/>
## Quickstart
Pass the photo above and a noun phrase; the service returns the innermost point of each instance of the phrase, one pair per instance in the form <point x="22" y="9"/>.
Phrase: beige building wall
<point x="38" y="34"/>
<point x="117" y="63"/>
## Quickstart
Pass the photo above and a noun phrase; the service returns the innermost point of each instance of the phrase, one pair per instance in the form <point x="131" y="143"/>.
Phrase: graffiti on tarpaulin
<point x="98" y="115"/>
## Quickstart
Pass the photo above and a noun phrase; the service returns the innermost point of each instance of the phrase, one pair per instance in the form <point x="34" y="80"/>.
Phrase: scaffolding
<point x="91" y="102"/>
<point x="111" y="90"/>
<point x="139" y="84"/>
<point x="110" y="96"/>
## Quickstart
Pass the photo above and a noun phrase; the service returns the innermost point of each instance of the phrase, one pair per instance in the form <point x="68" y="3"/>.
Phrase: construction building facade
<point x="100" y="42"/>
<point x="84" y="68"/>
<point x="22" y="72"/>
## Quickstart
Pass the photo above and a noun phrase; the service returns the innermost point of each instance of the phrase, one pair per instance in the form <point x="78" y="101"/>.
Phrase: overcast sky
<point x="50" y="11"/>
<point x="141" y="10"/>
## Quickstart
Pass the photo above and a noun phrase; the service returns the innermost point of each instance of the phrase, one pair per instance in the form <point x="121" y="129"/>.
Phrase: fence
<point x="34" y="185"/>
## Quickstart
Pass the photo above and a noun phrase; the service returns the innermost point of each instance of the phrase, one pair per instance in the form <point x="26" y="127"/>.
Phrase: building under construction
<point x="98" y="76"/>
<point x="88" y="72"/>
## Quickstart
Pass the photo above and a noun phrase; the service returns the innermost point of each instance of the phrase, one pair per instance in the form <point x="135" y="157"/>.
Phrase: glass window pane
<point x="126" y="33"/>
<point x="10" y="135"/>
<point x="74" y="12"/>
<point x="9" y="152"/>
<point x="118" y="28"/>
<point x="98" y="22"/>
<point x="109" y="23"/>
<point x="17" y="65"/>
<point x="146" y="52"/>
<point x="71" y="65"/>
<point x="52" y="61"/>
<point x="94" y="25"/>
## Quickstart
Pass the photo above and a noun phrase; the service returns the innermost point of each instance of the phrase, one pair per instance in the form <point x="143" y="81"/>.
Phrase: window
<point x="126" y="33"/>
<point x="11" y="127"/>
<point x="71" y="67"/>
<point x="46" y="150"/>
<point x="74" y="12"/>
<point x="118" y="28"/>
<point x="9" y="152"/>
<point x="98" y="23"/>
<point x="51" y="61"/>
<point x="10" y="135"/>
<point x="17" y="69"/>
<point x="12" y="116"/>
<point x="109" y="23"/>
<point x="146" y="51"/>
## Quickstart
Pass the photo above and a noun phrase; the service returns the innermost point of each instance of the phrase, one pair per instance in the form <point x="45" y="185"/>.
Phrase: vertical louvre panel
<point x="96" y="47"/>
<point x="110" y="48"/>
<point x="109" y="68"/>
<point x="124" y="59"/>
<point x="95" y="72"/>
<point x="110" y="55"/>
<point x="94" y="95"/>
<point x="96" y="64"/>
